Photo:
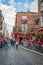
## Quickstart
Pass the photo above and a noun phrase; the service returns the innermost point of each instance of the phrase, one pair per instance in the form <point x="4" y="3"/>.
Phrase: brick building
<point x="26" y="21"/>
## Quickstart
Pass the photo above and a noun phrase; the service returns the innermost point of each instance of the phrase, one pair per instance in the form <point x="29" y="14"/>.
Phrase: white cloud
<point x="9" y="15"/>
<point x="26" y="5"/>
<point x="34" y="6"/>
<point x="11" y="2"/>
<point x="19" y="3"/>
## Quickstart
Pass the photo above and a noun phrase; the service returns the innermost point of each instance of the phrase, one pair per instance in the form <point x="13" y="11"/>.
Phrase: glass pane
<point x="24" y="17"/>
<point x="22" y="27"/>
<point x="25" y="27"/>
<point x="42" y="4"/>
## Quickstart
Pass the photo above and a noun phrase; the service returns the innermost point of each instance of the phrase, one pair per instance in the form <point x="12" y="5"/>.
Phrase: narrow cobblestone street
<point x="11" y="56"/>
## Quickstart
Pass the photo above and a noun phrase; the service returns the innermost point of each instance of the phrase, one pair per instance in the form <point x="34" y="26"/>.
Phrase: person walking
<point x="1" y="44"/>
<point x="17" y="43"/>
<point x="13" y="41"/>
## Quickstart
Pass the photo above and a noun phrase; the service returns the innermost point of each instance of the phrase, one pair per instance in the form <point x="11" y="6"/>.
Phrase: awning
<point x="40" y="29"/>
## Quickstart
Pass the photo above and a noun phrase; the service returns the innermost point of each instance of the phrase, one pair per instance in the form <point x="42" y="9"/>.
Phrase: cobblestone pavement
<point x="11" y="56"/>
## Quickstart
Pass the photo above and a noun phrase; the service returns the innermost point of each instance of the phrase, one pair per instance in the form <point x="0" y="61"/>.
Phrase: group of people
<point x="10" y="42"/>
<point x="14" y="42"/>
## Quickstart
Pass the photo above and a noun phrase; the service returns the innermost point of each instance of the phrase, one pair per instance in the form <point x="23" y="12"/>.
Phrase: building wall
<point x="40" y="9"/>
<point x="4" y="28"/>
<point x="2" y="24"/>
<point x="31" y="23"/>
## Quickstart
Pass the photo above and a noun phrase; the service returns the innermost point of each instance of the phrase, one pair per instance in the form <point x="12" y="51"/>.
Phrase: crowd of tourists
<point x="15" y="42"/>
<point x="10" y="42"/>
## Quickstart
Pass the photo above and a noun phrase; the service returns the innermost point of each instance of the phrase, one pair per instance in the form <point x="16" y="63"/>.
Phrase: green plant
<point x="37" y="37"/>
<point x="41" y="35"/>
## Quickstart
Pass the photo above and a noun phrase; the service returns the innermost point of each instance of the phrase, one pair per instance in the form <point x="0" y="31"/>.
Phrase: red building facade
<point x="25" y="22"/>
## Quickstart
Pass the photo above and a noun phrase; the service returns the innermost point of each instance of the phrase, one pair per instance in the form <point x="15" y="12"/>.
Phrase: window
<point x="24" y="17"/>
<point x="42" y="6"/>
<point x="37" y="20"/>
<point x="41" y="20"/>
<point x="0" y="34"/>
<point x="24" y="27"/>
<point x="36" y="26"/>
<point x="1" y="20"/>
<point x="0" y="11"/>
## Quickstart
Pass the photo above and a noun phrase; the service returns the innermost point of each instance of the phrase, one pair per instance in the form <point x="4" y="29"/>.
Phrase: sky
<point x="11" y="7"/>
